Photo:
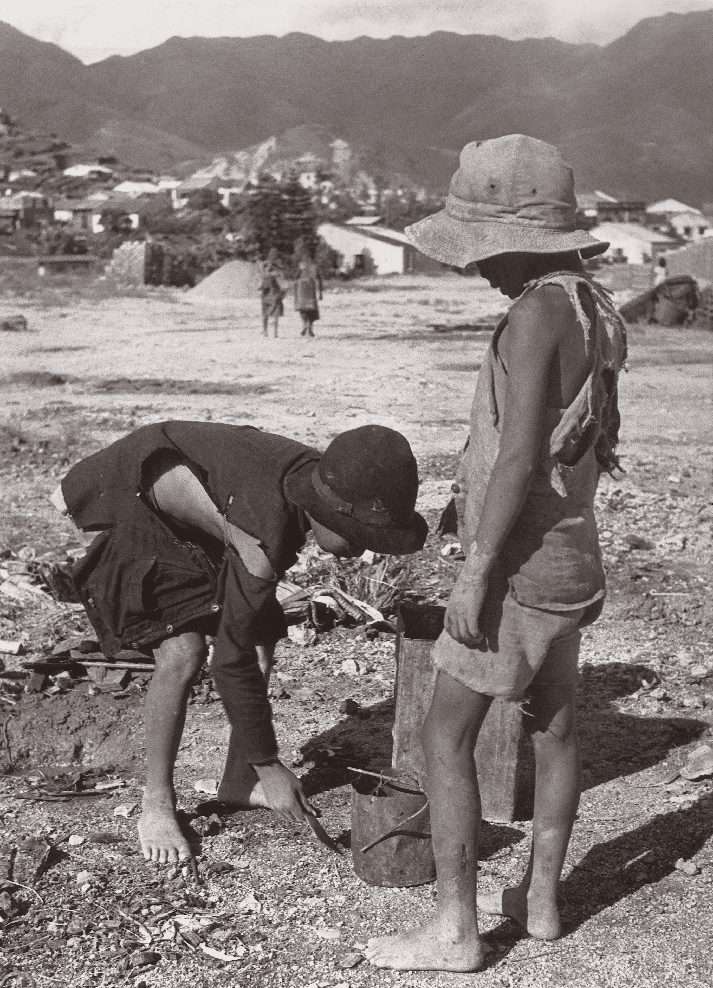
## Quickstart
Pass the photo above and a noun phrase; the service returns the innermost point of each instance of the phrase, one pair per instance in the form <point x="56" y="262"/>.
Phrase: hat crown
<point x="372" y="469"/>
<point x="516" y="179"/>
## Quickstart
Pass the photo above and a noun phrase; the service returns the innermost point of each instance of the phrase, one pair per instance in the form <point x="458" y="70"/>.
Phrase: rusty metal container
<point x="391" y="838"/>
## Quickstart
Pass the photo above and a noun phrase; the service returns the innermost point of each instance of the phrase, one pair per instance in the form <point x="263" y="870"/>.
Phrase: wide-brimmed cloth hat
<point x="364" y="488"/>
<point x="512" y="194"/>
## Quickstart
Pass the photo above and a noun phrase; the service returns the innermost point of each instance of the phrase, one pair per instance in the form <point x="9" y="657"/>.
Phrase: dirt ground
<point x="637" y="890"/>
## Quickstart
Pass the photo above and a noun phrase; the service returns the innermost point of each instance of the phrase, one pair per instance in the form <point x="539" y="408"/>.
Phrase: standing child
<point x="544" y="424"/>
<point x="271" y="294"/>
<point x="308" y="288"/>
<point x="196" y="522"/>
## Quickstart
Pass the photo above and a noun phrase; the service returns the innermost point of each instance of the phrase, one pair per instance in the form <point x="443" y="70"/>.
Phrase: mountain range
<point x="634" y="117"/>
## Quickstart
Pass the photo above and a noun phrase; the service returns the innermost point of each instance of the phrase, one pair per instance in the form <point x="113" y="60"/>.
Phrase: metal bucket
<point x="391" y="832"/>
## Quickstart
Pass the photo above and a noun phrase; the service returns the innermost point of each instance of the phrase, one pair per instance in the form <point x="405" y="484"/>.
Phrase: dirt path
<point x="89" y="369"/>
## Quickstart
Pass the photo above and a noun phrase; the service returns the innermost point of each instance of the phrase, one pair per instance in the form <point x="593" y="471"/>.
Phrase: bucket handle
<point x="402" y="780"/>
<point x="396" y="830"/>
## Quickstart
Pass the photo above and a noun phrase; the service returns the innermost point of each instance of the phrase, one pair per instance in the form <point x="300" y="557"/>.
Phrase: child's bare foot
<point x="540" y="919"/>
<point x="433" y="947"/>
<point x="159" y="832"/>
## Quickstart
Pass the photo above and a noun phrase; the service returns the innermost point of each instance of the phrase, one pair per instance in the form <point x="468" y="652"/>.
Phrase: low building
<point x="23" y="209"/>
<point x="621" y="211"/>
<point x="375" y="250"/>
<point x="689" y="225"/>
<point x="632" y="242"/>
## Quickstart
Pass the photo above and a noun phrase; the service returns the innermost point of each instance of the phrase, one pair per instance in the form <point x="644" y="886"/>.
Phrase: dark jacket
<point x="143" y="578"/>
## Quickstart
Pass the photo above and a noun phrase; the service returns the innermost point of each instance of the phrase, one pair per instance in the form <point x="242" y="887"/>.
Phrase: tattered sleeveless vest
<point x="551" y="555"/>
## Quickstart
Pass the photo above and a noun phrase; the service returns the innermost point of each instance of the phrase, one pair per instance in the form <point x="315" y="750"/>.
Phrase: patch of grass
<point x="38" y="379"/>
<point x="163" y="386"/>
<point x="55" y="349"/>
<point x="468" y="367"/>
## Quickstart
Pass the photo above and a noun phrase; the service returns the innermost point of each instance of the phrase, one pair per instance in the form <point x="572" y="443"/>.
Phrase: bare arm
<point x="533" y="339"/>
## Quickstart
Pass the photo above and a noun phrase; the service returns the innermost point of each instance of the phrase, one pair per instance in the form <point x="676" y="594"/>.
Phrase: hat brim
<point x="392" y="540"/>
<point x="458" y="243"/>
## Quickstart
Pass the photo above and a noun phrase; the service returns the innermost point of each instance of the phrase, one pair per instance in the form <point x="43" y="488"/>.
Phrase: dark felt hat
<point x="364" y="488"/>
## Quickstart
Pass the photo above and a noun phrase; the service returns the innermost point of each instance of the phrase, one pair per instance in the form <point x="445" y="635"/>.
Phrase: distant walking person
<point x="307" y="285"/>
<point x="271" y="294"/>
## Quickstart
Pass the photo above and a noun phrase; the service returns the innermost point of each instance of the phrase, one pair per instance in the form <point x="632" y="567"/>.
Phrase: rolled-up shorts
<point x="523" y="647"/>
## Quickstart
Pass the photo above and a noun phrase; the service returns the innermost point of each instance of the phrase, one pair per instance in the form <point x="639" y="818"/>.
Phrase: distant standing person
<point x="271" y="295"/>
<point x="660" y="272"/>
<point x="307" y="285"/>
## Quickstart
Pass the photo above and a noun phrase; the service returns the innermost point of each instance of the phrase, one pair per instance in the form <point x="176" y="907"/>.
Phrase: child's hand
<point x="283" y="792"/>
<point x="464" y="606"/>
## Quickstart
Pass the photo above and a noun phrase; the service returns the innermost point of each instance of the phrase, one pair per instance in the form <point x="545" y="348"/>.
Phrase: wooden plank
<point x="497" y="752"/>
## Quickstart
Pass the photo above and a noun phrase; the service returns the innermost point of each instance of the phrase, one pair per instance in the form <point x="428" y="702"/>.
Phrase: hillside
<point x="634" y="117"/>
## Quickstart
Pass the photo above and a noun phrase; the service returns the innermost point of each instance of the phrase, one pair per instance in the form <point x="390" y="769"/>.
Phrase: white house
<point x="689" y="225"/>
<point x="129" y="188"/>
<point x="669" y="207"/>
<point x="374" y="250"/>
<point x="87" y="171"/>
<point x="637" y="244"/>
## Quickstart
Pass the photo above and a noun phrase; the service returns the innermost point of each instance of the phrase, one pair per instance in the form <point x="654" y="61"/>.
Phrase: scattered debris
<point x="220" y="955"/>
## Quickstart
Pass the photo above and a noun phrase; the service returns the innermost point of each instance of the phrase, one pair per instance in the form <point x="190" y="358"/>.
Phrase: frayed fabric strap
<point x="368" y="512"/>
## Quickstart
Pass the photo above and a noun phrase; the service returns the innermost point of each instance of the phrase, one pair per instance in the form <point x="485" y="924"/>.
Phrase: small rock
<point x="350" y="960"/>
<point x="84" y="878"/>
<point x="699" y="763"/>
<point x="685" y="657"/>
<point x="250" y="904"/>
<point x="638" y="542"/>
<point x="689" y="868"/>
<point x="327" y="932"/>
<point x="698" y="672"/>
<point x="349" y="707"/>
<point x="209" y="787"/>
<point x="125" y="809"/>
<point x="144" y="958"/>
<point x="350" y="667"/>
<point x="75" y="840"/>
<point x="659" y="694"/>
<point x="302" y="634"/>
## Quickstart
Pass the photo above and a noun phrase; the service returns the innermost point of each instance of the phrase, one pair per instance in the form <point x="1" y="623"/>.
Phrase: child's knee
<point x="447" y="736"/>
<point x="181" y="656"/>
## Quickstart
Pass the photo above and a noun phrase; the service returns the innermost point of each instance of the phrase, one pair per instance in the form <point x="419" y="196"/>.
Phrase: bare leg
<point x="450" y="941"/>
<point x="264" y="325"/>
<point x="240" y="788"/>
<point x="274" y="325"/>
<point x="553" y="726"/>
<point x="178" y="659"/>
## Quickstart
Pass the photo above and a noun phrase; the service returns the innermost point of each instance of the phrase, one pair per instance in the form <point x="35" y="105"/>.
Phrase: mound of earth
<point x="234" y="280"/>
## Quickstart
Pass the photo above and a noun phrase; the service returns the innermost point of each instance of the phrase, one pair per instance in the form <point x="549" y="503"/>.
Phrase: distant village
<point x="69" y="212"/>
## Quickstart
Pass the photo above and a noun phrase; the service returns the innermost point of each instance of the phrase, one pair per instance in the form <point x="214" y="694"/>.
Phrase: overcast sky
<point x="94" y="29"/>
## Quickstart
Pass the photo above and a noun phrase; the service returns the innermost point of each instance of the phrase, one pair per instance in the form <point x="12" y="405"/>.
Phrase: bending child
<point x="544" y="424"/>
<point x="197" y="522"/>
